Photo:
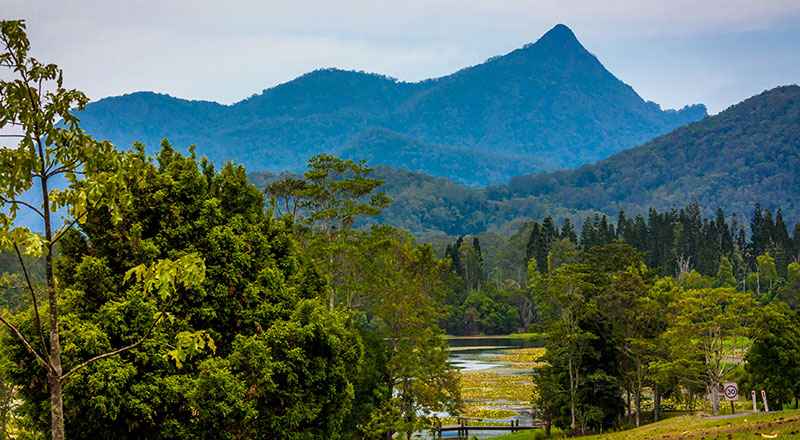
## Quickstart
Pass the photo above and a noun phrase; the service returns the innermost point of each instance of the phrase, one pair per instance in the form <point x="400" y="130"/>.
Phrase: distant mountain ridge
<point x="547" y="105"/>
<point x="746" y="154"/>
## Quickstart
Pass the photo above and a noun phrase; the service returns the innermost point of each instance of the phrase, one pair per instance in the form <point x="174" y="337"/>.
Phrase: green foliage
<point x="51" y="148"/>
<point x="335" y="190"/>
<point x="724" y="276"/>
<point x="790" y="292"/>
<point x="332" y="195"/>
<point x="405" y="285"/>
<point x="710" y="326"/>
<point x="772" y="363"/>
<point x="574" y="346"/>
<point x="477" y="305"/>
<point x="256" y="352"/>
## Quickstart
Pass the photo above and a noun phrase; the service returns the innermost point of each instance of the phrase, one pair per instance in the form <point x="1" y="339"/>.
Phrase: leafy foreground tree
<point x="708" y="332"/>
<point x="406" y="287"/>
<point x="773" y="361"/>
<point x="282" y="363"/>
<point x="599" y="337"/>
<point x="30" y="105"/>
<point x="391" y="285"/>
<point x="581" y="351"/>
<point x="334" y="193"/>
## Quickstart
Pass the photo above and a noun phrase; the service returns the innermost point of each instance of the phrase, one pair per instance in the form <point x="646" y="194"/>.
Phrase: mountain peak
<point x="560" y="36"/>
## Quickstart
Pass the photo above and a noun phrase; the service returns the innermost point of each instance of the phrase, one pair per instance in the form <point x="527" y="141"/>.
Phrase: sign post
<point x="755" y="408"/>
<point x="764" y="398"/>
<point x="731" y="392"/>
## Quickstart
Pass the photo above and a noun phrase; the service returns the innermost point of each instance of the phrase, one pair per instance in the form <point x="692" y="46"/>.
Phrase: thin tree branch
<point x="63" y="169"/>
<point x="35" y="302"/>
<point x="63" y="229"/>
<point x="20" y="202"/>
<point x="136" y="344"/>
<point x="26" y="344"/>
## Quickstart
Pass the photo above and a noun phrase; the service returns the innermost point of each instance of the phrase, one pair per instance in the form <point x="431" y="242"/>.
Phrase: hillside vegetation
<point x="746" y="154"/>
<point x="749" y="152"/>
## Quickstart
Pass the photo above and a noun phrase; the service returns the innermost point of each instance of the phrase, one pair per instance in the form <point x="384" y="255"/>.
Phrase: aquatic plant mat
<point x="500" y="394"/>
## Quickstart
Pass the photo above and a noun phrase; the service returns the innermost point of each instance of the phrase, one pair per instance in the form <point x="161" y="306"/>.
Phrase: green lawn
<point x="783" y="425"/>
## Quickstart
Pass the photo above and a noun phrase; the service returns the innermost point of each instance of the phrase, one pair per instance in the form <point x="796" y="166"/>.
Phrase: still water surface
<point x="479" y="355"/>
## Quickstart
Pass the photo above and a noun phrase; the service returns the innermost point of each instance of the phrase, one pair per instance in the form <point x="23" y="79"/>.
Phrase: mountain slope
<point x="551" y="104"/>
<point x="385" y="147"/>
<point x="552" y="99"/>
<point x="746" y="154"/>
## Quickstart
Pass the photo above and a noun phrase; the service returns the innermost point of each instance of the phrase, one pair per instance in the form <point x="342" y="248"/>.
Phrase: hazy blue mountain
<point x="746" y="154"/>
<point x="545" y="106"/>
<point x="552" y="99"/>
<point x="385" y="147"/>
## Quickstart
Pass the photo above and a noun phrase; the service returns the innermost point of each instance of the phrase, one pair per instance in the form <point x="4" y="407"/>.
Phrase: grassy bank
<point x="781" y="425"/>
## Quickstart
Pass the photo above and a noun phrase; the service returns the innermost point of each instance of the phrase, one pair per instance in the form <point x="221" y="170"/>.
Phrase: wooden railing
<point x="463" y="427"/>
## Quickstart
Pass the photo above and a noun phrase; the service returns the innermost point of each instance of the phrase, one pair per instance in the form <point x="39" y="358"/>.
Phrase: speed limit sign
<point x="731" y="391"/>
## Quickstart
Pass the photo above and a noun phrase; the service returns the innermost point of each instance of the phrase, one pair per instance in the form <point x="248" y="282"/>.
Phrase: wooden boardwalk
<point x="463" y="427"/>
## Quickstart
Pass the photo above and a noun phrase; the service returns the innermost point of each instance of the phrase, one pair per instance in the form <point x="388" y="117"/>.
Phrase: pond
<point x="496" y="385"/>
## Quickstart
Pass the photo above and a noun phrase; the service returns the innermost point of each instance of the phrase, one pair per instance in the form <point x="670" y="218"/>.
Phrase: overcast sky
<point x="675" y="52"/>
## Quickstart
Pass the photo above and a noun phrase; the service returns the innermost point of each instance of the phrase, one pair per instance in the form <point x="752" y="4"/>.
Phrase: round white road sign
<point x="731" y="391"/>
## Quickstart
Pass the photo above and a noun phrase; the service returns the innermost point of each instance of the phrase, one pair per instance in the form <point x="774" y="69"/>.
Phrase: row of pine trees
<point x="681" y="240"/>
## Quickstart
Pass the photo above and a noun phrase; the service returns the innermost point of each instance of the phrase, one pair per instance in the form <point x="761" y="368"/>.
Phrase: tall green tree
<point x="31" y="105"/>
<point x="283" y="362"/>
<point x="284" y="195"/>
<point x="772" y="362"/>
<point x="335" y="194"/>
<point x="636" y="320"/>
<point x="725" y="276"/>
<point x="790" y="292"/>
<point x="711" y="325"/>
<point x="406" y="292"/>
<point x="471" y="266"/>
<point x="563" y="296"/>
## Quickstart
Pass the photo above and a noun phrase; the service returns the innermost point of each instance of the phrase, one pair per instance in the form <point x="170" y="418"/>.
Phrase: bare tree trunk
<point x="55" y="372"/>
<point x="638" y="398"/>
<point x="628" y="402"/>
<point x="656" y="402"/>
<point x="572" y="390"/>
<point x="758" y="283"/>
<point x="56" y="408"/>
<point x="714" y="399"/>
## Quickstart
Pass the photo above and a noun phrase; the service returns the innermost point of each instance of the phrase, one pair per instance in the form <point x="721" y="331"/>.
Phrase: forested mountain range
<point x="545" y="106"/>
<point x="746" y="154"/>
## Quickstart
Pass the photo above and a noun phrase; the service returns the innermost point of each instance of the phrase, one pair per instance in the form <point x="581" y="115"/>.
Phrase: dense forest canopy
<point x="491" y="270"/>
